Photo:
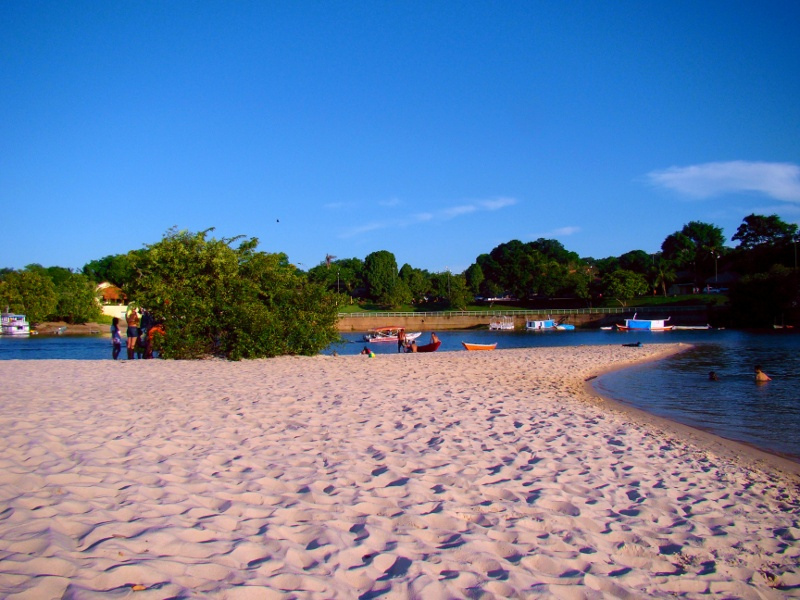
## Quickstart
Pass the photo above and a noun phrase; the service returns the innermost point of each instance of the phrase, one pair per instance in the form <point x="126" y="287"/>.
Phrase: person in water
<point x="712" y="376"/>
<point x="761" y="376"/>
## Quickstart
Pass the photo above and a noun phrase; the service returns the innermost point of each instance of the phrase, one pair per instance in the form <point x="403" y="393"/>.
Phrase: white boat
<point x="14" y="324"/>
<point x="547" y="325"/>
<point x="635" y="324"/>
<point x="502" y="324"/>
<point x="389" y="334"/>
<point x="692" y="327"/>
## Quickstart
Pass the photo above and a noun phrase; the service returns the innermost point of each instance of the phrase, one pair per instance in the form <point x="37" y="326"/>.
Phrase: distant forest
<point x="759" y="276"/>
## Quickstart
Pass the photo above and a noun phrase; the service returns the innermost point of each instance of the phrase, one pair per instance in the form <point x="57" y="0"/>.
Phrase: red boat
<point x="433" y="347"/>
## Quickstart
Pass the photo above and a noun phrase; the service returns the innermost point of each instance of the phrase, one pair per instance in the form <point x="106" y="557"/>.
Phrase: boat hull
<point x="429" y="347"/>
<point x="475" y="347"/>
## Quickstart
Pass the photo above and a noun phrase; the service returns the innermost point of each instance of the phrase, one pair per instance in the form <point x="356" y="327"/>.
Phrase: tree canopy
<point x="235" y="302"/>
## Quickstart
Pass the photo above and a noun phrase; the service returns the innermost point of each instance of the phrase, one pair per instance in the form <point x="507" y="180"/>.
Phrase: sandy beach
<point x="433" y="476"/>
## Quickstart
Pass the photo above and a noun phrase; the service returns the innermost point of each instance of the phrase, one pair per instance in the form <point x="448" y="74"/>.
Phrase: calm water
<point x="766" y="416"/>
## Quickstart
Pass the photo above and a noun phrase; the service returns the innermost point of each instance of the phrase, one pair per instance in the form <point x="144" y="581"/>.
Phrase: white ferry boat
<point x="14" y="324"/>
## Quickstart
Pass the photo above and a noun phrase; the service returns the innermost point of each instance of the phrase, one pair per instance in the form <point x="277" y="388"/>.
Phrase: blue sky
<point x="434" y="130"/>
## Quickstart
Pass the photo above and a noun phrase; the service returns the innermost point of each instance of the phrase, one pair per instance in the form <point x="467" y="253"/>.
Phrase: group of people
<point x="760" y="376"/>
<point x="139" y="334"/>
<point x="403" y="345"/>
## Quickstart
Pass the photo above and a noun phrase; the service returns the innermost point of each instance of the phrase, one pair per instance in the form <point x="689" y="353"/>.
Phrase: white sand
<point x="446" y="475"/>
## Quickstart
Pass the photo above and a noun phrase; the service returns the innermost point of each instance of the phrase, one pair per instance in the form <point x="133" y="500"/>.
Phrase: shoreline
<point x="443" y="475"/>
<point x="729" y="448"/>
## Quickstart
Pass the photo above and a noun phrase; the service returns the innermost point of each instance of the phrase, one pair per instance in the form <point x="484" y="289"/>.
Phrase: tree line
<point x="225" y="297"/>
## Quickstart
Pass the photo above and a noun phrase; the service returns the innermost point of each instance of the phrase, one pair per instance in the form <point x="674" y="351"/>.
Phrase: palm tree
<point x="665" y="274"/>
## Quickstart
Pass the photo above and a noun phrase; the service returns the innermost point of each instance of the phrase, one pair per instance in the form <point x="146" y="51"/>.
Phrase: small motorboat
<point x="472" y="347"/>
<point x="389" y="334"/>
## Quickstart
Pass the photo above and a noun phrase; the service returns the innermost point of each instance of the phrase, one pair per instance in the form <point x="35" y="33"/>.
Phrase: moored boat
<point x="470" y="346"/>
<point x="547" y="325"/>
<point x="635" y="324"/>
<point x="11" y="324"/>
<point x="389" y="334"/>
<point x="502" y="324"/>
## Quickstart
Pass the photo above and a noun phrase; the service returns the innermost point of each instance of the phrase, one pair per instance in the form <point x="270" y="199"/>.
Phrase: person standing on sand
<point x="401" y="340"/>
<point x="761" y="376"/>
<point x="116" y="338"/>
<point x="132" y="319"/>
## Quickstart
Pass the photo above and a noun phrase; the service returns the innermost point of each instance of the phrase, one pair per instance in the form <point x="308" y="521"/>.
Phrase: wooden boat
<point x="471" y="347"/>
<point x="14" y="324"/>
<point x="389" y="334"/>
<point x="432" y="347"/>
<point x="635" y="324"/>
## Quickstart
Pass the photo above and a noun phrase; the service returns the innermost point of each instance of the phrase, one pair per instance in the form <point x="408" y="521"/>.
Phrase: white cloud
<point x="559" y="232"/>
<point x="457" y="211"/>
<point x="498" y="203"/>
<point x="776" y="180"/>
<point x="354" y="231"/>
<point x="441" y="215"/>
<point x="566" y="230"/>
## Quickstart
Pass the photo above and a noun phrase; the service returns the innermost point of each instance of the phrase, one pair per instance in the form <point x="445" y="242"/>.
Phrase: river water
<point x="763" y="415"/>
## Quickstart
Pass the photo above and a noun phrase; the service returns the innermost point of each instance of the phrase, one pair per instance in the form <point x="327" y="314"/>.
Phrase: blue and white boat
<point x="635" y="324"/>
<point x="547" y="325"/>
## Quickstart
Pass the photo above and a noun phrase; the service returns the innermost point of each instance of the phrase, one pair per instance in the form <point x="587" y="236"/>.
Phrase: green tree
<point x="114" y="268"/>
<point x="415" y="280"/>
<point x="765" y="299"/>
<point x="623" y="285"/>
<point x="637" y="261"/>
<point x="77" y="300"/>
<point x="233" y="302"/>
<point x="758" y="230"/>
<point x="695" y="247"/>
<point x="380" y="275"/>
<point x="665" y="275"/>
<point x="31" y="293"/>
<point x="475" y="278"/>
<point x="458" y="293"/>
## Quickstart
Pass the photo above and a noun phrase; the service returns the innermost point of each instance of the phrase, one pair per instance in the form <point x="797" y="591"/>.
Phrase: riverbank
<point x="64" y="328"/>
<point x="442" y="475"/>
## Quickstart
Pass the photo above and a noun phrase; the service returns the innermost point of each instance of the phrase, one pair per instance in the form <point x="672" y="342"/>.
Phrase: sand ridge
<point x="447" y="475"/>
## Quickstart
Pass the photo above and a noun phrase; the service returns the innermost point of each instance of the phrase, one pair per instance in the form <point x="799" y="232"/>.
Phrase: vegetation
<point x="215" y="298"/>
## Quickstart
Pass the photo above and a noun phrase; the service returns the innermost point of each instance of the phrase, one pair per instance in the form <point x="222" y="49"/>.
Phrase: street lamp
<point x="337" y="282"/>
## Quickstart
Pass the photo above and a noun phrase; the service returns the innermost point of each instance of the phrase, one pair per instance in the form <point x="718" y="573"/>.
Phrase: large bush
<point x="214" y="299"/>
